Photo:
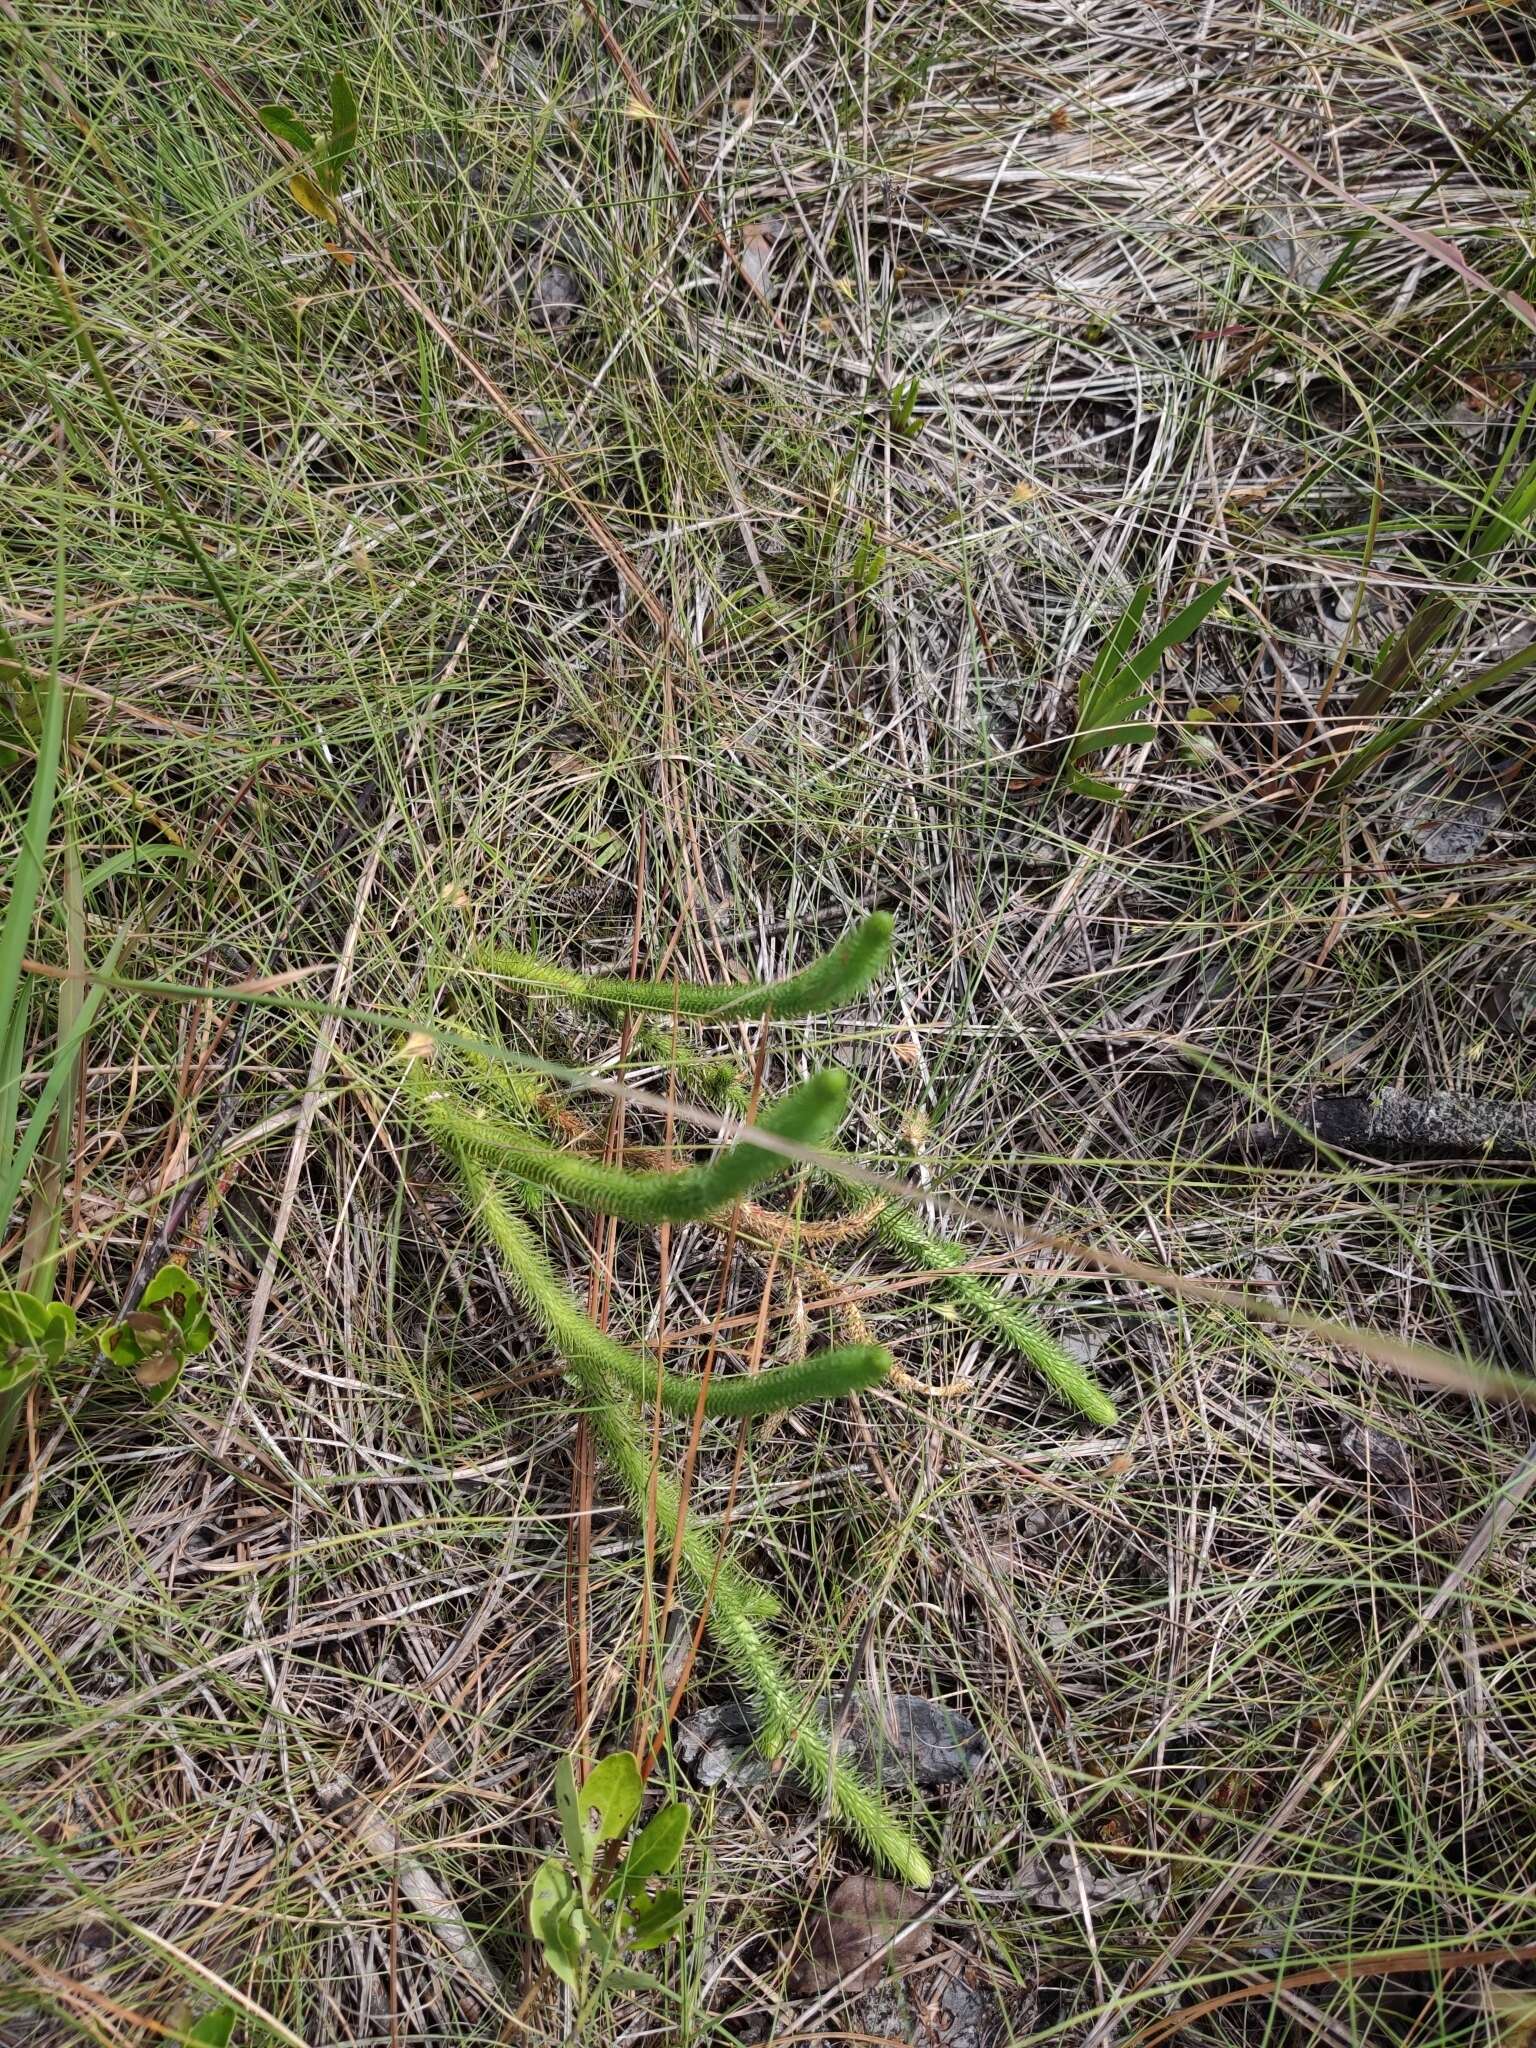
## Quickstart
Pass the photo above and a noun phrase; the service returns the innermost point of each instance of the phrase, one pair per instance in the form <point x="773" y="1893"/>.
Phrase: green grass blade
<point x="23" y="885"/>
<point x="40" y="1250"/>
<point x="14" y="1171"/>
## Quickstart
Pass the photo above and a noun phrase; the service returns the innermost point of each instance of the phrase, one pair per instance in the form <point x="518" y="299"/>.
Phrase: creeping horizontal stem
<point x="824" y="1377"/>
<point x="991" y="1312"/>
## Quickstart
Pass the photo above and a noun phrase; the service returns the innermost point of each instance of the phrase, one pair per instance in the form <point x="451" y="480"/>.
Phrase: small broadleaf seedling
<point x="156" y="1339"/>
<point x="318" y="187"/>
<point x="34" y="1335"/>
<point x="589" y="1909"/>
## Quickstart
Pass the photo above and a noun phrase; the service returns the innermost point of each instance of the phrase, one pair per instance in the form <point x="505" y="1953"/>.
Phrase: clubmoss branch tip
<point x="829" y="982"/>
<point x="808" y="1115"/>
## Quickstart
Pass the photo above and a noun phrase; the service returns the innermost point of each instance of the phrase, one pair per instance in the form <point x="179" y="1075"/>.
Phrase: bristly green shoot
<point x="826" y="1376"/>
<point x="607" y="1371"/>
<point x="992" y="1313"/>
<point x="788" y="1722"/>
<point x="836" y="978"/>
<point x="807" y="1116"/>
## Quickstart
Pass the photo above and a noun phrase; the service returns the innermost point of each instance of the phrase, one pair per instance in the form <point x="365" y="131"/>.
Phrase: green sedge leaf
<point x="1122" y="636"/>
<point x="1113" y="697"/>
<point x="1181" y="627"/>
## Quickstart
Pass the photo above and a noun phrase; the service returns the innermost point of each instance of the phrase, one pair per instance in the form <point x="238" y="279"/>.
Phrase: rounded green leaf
<point x="175" y="1287"/>
<point x="33" y="1334"/>
<point x="287" y="128"/>
<point x="214" y="2028"/>
<point x="656" y="1848"/>
<point x="552" y="1909"/>
<point x="610" y="1797"/>
<point x="622" y="1978"/>
<point x="155" y="1340"/>
<point x="656" y="1920"/>
<point x="308" y="194"/>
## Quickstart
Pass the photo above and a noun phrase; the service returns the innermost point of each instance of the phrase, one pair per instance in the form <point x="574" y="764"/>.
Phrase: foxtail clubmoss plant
<point x="807" y="1116"/>
<point x="985" y="1308"/>
<point x="604" y="1371"/>
<point x="826" y="984"/>
<point x="835" y="978"/>
<point x="506" y="1166"/>
<point x="832" y="979"/>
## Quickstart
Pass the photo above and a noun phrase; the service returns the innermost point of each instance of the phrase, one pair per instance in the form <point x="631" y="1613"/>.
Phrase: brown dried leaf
<point x="855" y="1923"/>
<point x="756" y="253"/>
<point x="155" y="1370"/>
<point x="312" y="199"/>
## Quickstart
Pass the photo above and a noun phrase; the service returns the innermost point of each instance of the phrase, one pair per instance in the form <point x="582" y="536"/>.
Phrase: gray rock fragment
<point x="901" y="1739"/>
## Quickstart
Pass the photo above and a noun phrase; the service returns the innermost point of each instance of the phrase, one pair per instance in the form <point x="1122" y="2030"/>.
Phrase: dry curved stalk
<point x="787" y="1232"/>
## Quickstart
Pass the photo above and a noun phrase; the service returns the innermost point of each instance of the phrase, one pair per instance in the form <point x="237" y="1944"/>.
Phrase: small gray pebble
<point x="555" y="298"/>
<point x="1458" y="834"/>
